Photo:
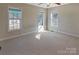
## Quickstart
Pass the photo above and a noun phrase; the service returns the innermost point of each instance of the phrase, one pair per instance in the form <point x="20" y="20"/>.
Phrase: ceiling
<point x="47" y="5"/>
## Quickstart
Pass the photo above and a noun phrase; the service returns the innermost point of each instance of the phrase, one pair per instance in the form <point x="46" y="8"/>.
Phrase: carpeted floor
<point x="45" y="43"/>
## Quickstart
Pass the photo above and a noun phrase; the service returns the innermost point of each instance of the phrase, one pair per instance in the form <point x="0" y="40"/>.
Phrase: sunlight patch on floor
<point x="38" y="36"/>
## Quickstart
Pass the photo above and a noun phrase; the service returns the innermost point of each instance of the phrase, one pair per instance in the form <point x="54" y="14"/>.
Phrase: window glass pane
<point x="11" y="27"/>
<point x="11" y="22"/>
<point x="15" y="26"/>
<point x="18" y="21"/>
<point x="19" y="15"/>
<point x="15" y="21"/>
<point x="18" y="26"/>
<point x="15" y="15"/>
<point x="10" y="15"/>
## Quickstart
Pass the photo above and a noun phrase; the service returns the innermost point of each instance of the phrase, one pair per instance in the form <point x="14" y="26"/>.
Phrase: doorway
<point x="40" y="22"/>
<point x="53" y="22"/>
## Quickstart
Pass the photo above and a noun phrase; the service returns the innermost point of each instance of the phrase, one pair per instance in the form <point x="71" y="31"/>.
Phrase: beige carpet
<point x="45" y="43"/>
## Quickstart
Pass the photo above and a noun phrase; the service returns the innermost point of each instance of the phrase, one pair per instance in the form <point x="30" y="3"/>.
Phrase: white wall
<point x="69" y="18"/>
<point x="29" y="13"/>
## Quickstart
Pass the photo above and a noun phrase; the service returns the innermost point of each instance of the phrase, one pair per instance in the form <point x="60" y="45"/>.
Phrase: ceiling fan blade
<point x="58" y="3"/>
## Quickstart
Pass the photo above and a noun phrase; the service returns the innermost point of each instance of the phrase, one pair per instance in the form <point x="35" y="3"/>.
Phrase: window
<point x="54" y="20"/>
<point x="15" y="17"/>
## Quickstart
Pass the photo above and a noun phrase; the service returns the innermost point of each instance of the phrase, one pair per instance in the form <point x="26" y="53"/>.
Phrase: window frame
<point x="14" y="19"/>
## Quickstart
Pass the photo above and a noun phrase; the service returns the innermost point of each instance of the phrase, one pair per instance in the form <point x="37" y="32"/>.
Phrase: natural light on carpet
<point x="38" y="36"/>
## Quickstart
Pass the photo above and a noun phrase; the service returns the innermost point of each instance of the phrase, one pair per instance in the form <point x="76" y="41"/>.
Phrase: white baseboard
<point x="74" y="35"/>
<point x="6" y="38"/>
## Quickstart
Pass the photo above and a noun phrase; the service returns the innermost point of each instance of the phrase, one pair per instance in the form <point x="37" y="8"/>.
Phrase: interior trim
<point x="66" y="33"/>
<point x="11" y="37"/>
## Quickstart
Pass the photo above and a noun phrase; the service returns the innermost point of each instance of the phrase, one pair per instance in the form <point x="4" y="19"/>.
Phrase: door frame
<point x="43" y="19"/>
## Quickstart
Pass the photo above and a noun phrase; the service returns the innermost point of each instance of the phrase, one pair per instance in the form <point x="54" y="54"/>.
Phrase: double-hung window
<point x="15" y="17"/>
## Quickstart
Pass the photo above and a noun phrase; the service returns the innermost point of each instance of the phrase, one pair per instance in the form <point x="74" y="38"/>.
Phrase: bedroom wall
<point x="68" y="21"/>
<point x="29" y="14"/>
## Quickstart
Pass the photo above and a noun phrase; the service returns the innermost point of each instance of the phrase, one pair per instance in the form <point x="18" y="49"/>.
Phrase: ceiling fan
<point x="48" y="4"/>
<point x="58" y="3"/>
